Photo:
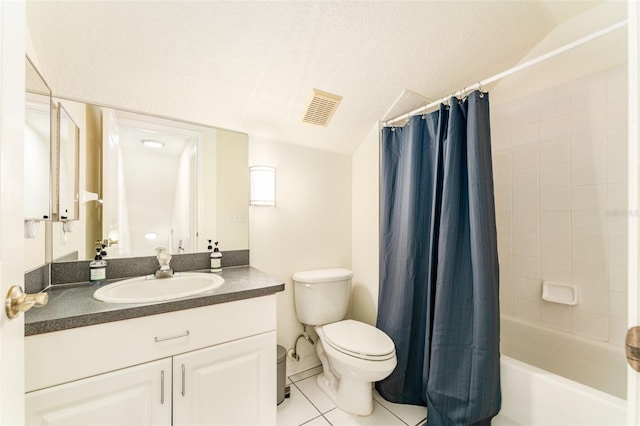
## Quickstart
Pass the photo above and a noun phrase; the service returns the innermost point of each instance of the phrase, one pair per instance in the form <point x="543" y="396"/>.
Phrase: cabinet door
<point x="139" y="395"/>
<point x="229" y="384"/>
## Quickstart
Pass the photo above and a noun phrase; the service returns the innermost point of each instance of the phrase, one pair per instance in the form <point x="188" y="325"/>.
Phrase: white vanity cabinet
<point x="214" y="365"/>
<point x="139" y="395"/>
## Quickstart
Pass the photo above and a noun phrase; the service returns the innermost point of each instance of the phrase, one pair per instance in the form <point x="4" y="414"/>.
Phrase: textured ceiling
<point x="251" y="66"/>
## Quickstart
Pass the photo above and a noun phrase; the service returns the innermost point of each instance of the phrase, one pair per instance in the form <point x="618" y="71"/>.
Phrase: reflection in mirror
<point x="66" y="175"/>
<point x="37" y="164"/>
<point x="37" y="146"/>
<point x="153" y="182"/>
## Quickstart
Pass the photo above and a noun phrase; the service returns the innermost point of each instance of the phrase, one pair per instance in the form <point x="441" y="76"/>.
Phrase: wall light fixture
<point x="263" y="186"/>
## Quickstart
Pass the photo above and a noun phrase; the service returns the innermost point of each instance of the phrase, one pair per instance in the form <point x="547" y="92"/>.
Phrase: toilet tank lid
<point x="323" y="275"/>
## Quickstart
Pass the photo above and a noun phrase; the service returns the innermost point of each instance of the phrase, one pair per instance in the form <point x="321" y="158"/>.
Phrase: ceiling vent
<point x="321" y="108"/>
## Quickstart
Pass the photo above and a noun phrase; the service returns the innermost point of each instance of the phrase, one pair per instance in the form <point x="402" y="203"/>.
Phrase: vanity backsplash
<point x="78" y="271"/>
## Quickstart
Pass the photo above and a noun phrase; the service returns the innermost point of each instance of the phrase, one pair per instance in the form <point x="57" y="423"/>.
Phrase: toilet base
<point x="354" y="397"/>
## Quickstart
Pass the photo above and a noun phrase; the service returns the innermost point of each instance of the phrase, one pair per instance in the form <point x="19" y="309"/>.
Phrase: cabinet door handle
<point x="162" y="387"/>
<point x="162" y="339"/>
<point x="182" y="379"/>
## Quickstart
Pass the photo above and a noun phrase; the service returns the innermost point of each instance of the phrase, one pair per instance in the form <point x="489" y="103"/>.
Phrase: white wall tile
<point x="590" y="171"/>
<point x="554" y="101"/>
<point x="589" y="249"/>
<point x="555" y="246"/>
<point x="526" y="267"/>
<point x="525" y="134"/>
<point x="618" y="278"/>
<point x="506" y="305"/>
<point x="589" y="222"/>
<point x="505" y="245"/>
<point x="524" y="110"/>
<point x="527" y="310"/>
<point x="561" y="202"/>
<point x="527" y="289"/>
<point x="586" y="145"/>
<point x="590" y="274"/>
<point x="591" y="119"/>
<point x="554" y="128"/>
<point x="591" y="326"/>
<point x="593" y="300"/>
<point x="500" y="114"/>
<point x="525" y="178"/>
<point x="502" y="181"/>
<point x="618" y="250"/>
<point x="555" y="223"/>
<point x="502" y="200"/>
<point x="501" y="160"/>
<point x="505" y="263"/>
<point x="504" y="222"/>
<point x="618" y="305"/>
<point x="555" y="269"/>
<point x="589" y="197"/>
<point x="555" y="199"/>
<point x="526" y="245"/>
<point x="555" y="174"/>
<point x="588" y="91"/>
<point x="525" y="201"/>
<point x="506" y="285"/>
<point x="556" y="316"/>
<point x="524" y="157"/>
<point x="617" y="83"/>
<point x="617" y="156"/>
<point x="525" y="223"/>
<point x="618" y="118"/>
<point x="555" y="151"/>
<point x="617" y="331"/>
<point x="500" y="138"/>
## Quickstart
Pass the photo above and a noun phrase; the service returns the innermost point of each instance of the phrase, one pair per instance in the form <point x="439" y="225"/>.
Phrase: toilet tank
<point x="322" y="296"/>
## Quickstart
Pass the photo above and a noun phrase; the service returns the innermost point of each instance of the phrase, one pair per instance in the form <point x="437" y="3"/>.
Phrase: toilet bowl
<point x="353" y="354"/>
<point x="350" y="368"/>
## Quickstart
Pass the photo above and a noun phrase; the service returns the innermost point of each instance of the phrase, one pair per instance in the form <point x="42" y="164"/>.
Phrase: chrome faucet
<point x="164" y="258"/>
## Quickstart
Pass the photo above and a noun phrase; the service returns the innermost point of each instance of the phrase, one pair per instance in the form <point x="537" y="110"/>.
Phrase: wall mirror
<point x="37" y="146"/>
<point x="66" y="167"/>
<point x="150" y="182"/>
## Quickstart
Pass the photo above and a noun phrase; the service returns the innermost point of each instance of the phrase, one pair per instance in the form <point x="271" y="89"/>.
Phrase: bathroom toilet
<point x="353" y="354"/>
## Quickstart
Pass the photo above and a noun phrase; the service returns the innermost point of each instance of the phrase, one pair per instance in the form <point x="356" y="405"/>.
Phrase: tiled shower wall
<point x="560" y="172"/>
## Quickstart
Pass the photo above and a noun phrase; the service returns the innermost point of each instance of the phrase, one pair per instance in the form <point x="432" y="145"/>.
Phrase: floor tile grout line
<point x="392" y="413"/>
<point x="312" y="419"/>
<point x="308" y="399"/>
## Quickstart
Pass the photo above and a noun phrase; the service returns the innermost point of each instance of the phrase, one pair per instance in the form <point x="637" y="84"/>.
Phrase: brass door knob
<point x="18" y="301"/>
<point x="632" y="347"/>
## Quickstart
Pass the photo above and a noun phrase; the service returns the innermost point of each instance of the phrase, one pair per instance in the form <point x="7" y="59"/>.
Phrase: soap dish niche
<point x="565" y="294"/>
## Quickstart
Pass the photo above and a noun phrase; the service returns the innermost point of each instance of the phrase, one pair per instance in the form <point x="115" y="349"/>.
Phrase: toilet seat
<point x="359" y="340"/>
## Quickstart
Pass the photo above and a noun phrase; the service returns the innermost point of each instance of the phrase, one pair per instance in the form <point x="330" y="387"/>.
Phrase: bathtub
<point x="533" y="392"/>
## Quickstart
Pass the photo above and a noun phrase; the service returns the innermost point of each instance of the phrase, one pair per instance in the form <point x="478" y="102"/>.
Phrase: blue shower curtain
<point x="438" y="297"/>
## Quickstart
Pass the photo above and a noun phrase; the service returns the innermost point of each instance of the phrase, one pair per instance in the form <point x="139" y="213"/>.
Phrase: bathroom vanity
<point x="208" y="359"/>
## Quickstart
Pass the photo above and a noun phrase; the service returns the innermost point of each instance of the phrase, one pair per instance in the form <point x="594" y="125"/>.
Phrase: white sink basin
<point x="147" y="289"/>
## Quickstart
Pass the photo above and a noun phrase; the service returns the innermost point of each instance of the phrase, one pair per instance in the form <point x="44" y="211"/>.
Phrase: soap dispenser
<point x="216" y="259"/>
<point x="98" y="269"/>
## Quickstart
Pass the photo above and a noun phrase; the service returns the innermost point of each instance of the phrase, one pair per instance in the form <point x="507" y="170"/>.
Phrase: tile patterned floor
<point x="309" y="406"/>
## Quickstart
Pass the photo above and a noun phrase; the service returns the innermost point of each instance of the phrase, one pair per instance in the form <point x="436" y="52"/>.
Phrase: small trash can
<point x="282" y="373"/>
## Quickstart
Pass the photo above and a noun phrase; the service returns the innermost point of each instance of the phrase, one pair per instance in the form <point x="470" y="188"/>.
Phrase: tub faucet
<point x="164" y="258"/>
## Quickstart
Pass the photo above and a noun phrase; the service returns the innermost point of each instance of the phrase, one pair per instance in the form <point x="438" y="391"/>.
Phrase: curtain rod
<point x="510" y="71"/>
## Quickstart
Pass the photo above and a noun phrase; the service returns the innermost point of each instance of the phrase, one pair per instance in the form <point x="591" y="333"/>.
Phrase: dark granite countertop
<point x="74" y="306"/>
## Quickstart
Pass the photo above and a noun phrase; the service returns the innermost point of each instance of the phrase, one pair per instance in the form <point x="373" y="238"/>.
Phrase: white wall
<point x="309" y="228"/>
<point x="364" y="223"/>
